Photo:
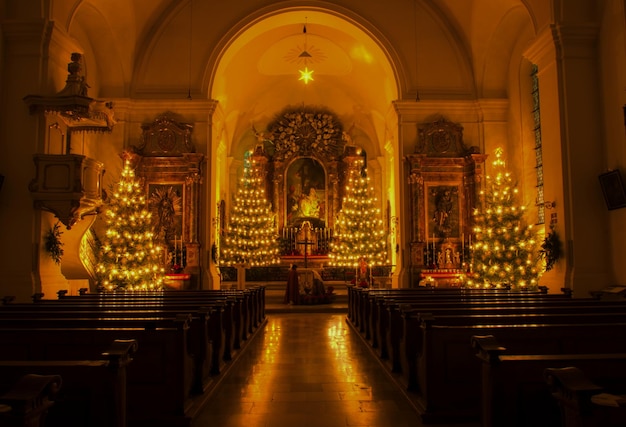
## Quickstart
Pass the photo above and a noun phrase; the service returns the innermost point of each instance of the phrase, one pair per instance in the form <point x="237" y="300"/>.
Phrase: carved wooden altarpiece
<point x="307" y="157"/>
<point x="172" y="172"/>
<point x="444" y="176"/>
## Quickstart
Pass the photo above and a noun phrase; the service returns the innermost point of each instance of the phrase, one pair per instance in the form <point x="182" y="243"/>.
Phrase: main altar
<point x="305" y="156"/>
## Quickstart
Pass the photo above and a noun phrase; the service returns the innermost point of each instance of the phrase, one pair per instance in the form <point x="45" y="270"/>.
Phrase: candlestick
<point x="462" y="248"/>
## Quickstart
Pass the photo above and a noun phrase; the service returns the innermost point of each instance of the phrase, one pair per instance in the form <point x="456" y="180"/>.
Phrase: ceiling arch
<point x="259" y="71"/>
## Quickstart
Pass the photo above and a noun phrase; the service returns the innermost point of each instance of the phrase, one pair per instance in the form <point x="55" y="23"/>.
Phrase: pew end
<point x="582" y="402"/>
<point x="29" y="400"/>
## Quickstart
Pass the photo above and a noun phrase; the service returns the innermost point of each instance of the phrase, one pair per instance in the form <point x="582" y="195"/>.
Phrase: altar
<point x="442" y="278"/>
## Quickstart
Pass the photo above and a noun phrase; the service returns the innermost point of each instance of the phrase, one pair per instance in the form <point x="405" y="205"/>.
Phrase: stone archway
<point x="252" y="81"/>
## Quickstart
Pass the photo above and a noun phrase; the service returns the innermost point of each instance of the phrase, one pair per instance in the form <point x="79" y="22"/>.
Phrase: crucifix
<point x="306" y="226"/>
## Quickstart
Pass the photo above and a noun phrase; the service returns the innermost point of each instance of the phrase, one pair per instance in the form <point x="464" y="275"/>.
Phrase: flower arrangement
<point x="362" y="283"/>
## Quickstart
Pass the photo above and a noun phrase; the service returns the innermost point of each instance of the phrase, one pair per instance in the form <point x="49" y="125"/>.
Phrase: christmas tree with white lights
<point x="359" y="240"/>
<point x="250" y="238"/>
<point x="129" y="259"/>
<point x="505" y="250"/>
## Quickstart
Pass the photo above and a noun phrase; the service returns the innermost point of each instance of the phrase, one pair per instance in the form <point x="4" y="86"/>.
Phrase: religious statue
<point x="444" y="204"/>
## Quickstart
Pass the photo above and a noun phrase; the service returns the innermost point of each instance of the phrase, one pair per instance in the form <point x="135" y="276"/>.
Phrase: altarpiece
<point x="172" y="172"/>
<point x="307" y="156"/>
<point x="444" y="176"/>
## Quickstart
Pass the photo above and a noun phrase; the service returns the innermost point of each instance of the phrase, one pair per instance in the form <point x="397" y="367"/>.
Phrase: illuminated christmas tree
<point x="505" y="251"/>
<point x="359" y="240"/>
<point x="250" y="239"/>
<point x="129" y="259"/>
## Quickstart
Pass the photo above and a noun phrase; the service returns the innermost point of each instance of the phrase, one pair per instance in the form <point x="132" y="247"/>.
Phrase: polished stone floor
<point x="307" y="370"/>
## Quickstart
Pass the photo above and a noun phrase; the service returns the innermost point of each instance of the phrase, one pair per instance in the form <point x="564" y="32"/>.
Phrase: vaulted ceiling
<point x="248" y="56"/>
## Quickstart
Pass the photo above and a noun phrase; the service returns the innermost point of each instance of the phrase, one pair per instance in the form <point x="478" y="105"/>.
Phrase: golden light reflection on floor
<point x="308" y="370"/>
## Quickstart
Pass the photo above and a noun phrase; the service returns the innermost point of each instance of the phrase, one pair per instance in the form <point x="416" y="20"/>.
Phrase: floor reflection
<point x="307" y="370"/>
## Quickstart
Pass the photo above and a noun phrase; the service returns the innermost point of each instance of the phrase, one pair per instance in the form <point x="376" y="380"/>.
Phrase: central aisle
<point x="307" y="370"/>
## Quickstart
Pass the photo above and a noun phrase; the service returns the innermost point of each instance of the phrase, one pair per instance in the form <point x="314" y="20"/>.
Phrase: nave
<point x="308" y="370"/>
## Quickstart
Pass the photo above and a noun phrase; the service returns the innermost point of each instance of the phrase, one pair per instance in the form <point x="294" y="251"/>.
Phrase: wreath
<point x="304" y="131"/>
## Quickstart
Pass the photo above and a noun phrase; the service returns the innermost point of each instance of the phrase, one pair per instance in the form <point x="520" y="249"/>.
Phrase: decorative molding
<point x="76" y="109"/>
<point x="165" y="137"/>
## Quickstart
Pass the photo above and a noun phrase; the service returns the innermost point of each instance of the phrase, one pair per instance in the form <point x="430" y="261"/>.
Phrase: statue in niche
<point x="305" y="193"/>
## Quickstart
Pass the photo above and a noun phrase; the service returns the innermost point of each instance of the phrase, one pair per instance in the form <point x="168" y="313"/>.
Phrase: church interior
<point x="459" y="145"/>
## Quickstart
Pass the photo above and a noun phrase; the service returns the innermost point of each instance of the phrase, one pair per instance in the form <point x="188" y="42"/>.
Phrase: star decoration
<point x="306" y="75"/>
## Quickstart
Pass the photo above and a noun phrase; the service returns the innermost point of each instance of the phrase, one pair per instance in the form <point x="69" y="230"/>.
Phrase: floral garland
<point x="304" y="131"/>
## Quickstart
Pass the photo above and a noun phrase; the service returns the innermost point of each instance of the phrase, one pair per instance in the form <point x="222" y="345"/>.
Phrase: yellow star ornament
<point x="306" y="75"/>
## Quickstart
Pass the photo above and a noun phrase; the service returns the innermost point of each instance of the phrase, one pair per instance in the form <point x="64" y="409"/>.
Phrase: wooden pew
<point x="390" y="327"/>
<point x="241" y="312"/>
<point x="584" y="403"/>
<point x="444" y="375"/>
<point x="141" y="306"/>
<point x="27" y="400"/>
<point x="514" y="389"/>
<point x="507" y="312"/>
<point x="359" y="298"/>
<point x="205" y="336"/>
<point x="366" y="306"/>
<point x="251" y="302"/>
<point x="93" y="392"/>
<point x="159" y="381"/>
<point x="220" y="328"/>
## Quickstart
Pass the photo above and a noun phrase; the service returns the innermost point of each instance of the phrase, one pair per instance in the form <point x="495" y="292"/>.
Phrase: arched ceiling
<point x="145" y="43"/>
<point x="261" y="70"/>
<point x="364" y="54"/>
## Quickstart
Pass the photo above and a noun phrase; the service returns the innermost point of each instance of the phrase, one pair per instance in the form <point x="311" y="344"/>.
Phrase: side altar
<point x="444" y="178"/>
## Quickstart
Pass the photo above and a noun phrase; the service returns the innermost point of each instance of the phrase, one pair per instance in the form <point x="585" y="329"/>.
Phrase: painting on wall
<point x="613" y="189"/>
<point x="305" y="193"/>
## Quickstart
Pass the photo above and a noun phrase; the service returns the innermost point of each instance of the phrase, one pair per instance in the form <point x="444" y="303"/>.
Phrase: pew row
<point x="444" y="374"/>
<point x="430" y="355"/>
<point x="159" y="381"/>
<point x="151" y="313"/>
<point x="514" y="388"/>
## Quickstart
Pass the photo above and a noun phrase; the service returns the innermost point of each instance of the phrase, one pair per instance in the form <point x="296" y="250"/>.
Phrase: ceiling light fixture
<point x="306" y="75"/>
